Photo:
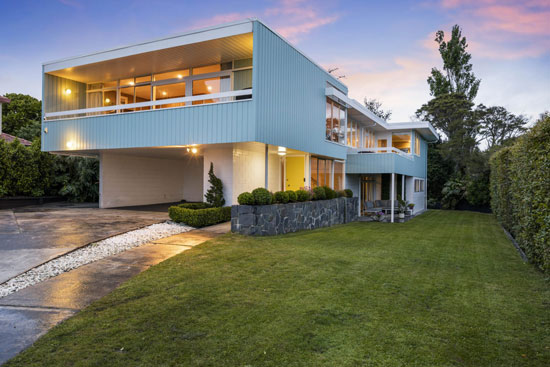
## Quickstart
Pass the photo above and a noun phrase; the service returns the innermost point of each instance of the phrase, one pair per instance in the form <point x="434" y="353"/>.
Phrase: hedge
<point x="199" y="217"/>
<point x="520" y="191"/>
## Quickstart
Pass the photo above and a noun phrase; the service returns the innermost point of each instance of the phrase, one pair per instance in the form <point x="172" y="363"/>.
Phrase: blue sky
<point x="385" y="49"/>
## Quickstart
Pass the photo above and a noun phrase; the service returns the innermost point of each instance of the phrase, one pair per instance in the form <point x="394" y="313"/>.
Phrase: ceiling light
<point x="131" y="83"/>
<point x="163" y="93"/>
<point x="209" y="88"/>
<point x="281" y="149"/>
<point x="107" y="100"/>
<point x="194" y="150"/>
<point x="180" y="76"/>
<point x="68" y="91"/>
<point x="281" y="153"/>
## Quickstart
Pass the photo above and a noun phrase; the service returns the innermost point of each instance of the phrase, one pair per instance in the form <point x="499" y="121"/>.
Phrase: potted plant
<point x="401" y="207"/>
<point x="378" y="216"/>
<point x="411" y="207"/>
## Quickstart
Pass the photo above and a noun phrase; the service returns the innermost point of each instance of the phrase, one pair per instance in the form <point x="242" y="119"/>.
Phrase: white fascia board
<point x="201" y="35"/>
<point x="423" y="126"/>
<point x="333" y="92"/>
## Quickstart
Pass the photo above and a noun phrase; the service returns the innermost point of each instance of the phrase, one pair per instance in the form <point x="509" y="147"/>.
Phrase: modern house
<point x="237" y="95"/>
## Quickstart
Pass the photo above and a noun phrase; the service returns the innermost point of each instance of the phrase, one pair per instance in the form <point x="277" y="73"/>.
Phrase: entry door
<point x="295" y="167"/>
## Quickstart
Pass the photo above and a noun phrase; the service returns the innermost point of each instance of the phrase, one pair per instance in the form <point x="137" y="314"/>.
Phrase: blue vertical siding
<point x="54" y="96"/>
<point x="289" y="92"/>
<point x="201" y="124"/>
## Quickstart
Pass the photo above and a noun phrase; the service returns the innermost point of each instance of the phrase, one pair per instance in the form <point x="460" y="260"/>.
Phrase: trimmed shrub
<point x="199" y="217"/>
<point x="341" y="194"/>
<point x="246" y="198"/>
<point x="195" y="205"/>
<point x="319" y="193"/>
<point x="214" y="195"/>
<point x="281" y="197"/>
<point x="330" y="193"/>
<point x="262" y="196"/>
<point x="520" y="191"/>
<point x="349" y="193"/>
<point x="291" y="196"/>
<point x="303" y="195"/>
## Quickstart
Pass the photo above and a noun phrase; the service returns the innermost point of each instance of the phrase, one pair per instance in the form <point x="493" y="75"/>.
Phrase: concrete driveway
<point x="32" y="235"/>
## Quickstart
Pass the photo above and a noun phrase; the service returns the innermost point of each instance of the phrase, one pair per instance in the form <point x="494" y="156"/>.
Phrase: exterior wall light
<point x="194" y="150"/>
<point x="70" y="144"/>
<point x="180" y="76"/>
<point x="281" y="151"/>
<point x="68" y="91"/>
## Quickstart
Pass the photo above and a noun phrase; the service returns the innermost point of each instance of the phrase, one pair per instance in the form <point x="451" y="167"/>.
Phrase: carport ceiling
<point x="182" y="57"/>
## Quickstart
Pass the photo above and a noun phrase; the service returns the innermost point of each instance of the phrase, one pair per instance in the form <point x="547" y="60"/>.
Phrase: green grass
<point x="445" y="289"/>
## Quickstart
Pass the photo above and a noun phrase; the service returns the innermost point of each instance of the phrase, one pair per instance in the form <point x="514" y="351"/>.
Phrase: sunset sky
<point x="385" y="49"/>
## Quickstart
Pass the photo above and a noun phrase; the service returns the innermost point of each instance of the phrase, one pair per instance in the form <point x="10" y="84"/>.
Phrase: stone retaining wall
<point x="268" y="220"/>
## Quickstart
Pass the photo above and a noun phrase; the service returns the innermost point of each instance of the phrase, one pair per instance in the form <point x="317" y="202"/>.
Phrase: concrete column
<point x="266" y="166"/>
<point x="392" y="196"/>
<point x="403" y="187"/>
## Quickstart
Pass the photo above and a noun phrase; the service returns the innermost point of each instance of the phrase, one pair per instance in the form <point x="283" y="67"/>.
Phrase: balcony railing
<point x="222" y="97"/>
<point x="386" y="150"/>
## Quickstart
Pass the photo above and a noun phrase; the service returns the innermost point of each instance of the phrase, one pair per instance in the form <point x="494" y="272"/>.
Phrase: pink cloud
<point x="291" y="18"/>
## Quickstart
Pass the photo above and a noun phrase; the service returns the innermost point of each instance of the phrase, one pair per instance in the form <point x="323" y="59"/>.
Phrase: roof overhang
<point x="359" y="112"/>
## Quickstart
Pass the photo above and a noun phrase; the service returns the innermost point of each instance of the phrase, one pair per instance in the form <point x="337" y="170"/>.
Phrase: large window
<point x="338" y="175"/>
<point x="335" y="122"/>
<point x="418" y="185"/>
<point x="203" y="80"/>
<point x="401" y="141"/>
<point x="416" y="145"/>
<point x="322" y="173"/>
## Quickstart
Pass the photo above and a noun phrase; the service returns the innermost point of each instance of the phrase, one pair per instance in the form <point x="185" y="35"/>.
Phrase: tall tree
<point x="457" y="75"/>
<point x="20" y="112"/>
<point x="499" y="125"/>
<point x="376" y="107"/>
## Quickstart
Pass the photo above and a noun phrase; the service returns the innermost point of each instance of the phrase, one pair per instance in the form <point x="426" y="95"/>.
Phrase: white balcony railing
<point x="386" y="150"/>
<point x="222" y="97"/>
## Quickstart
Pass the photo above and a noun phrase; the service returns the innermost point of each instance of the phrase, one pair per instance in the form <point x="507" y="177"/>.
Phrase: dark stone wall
<point x="269" y="220"/>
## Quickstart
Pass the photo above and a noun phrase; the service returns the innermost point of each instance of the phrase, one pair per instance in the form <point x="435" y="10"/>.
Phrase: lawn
<point x="444" y="289"/>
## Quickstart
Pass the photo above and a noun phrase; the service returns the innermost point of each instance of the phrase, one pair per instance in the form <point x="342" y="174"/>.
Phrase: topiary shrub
<point x="341" y="193"/>
<point x="246" y="198"/>
<point x="281" y="197"/>
<point x="291" y="196"/>
<point x="199" y="217"/>
<point x="349" y="193"/>
<point x="262" y="196"/>
<point x="319" y="193"/>
<point x="302" y="195"/>
<point x="330" y="193"/>
<point x="214" y="195"/>
<point x="195" y="205"/>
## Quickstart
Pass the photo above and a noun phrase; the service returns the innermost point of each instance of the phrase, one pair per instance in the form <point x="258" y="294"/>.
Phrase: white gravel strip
<point x="90" y="253"/>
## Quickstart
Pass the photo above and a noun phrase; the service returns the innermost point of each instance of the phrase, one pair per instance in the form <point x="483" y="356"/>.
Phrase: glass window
<point x="127" y="82"/>
<point x="143" y="79"/>
<point x="328" y="171"/>
<point x="382" y="143"/>
<point x="110" y="84"/>
<point x="349" y="133"/>
<point x="109" y="98"/>
<point x="401" y="141"/>
<point x="418" y="185"/>
<point x="169" y="91"/>
<point x="210" y="86"/>
<point x="416" y="145"/>
<point x="328" y="120"/>
<point x="243" y="63"/>
<point x="142" y="94"/>
<point x="335" y="122"/>
<point x="177" y="74"/>
<point x="314" y="172"/>
<point x="338" y="175"/>
<point x="207" y="69"/>
<point x="356" y="135"/>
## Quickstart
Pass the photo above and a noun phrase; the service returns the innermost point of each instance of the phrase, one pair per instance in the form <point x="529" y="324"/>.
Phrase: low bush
<point x="349" y="193"/>
<point x="341" y="194"/>
<point x="319" y="193"/>
<point x="195" y="205"/>
<point x="291" y="196"/>
<point x="262" y="196"/>
<point x="199" y="217"/>
<point x="246" y="198"/>
<point x="281" y="197"/>
<point x="303" y="195"/>
<point x="330" y="193"/>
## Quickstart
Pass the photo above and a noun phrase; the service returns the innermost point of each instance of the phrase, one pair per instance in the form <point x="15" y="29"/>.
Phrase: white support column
<point x="392" y="196"/>
<point x="266" y="166"/>
<point x="402" y="187"/>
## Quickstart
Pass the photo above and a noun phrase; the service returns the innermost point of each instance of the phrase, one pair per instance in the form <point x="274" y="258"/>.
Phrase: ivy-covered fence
<point x="520" y="191"/>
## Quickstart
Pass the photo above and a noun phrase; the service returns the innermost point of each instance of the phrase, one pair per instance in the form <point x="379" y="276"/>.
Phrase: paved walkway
<point x="32" y="235"/>
<point x="31" y="312"/>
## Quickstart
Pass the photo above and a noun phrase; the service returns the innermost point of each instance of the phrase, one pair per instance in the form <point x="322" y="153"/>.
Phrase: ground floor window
<point x="418" y="185"/>
<point x="327" y="172"/>
<point x="338" y="175"/>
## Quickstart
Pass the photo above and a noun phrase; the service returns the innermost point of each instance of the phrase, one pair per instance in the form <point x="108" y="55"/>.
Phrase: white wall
<point x="248" y="168"/>
<point x="193" y="181"/>
<point x="222" y="158"/>
<point x="274" y="172"/>
<point x="418" y="198"/>
<point x="134" y="180"/>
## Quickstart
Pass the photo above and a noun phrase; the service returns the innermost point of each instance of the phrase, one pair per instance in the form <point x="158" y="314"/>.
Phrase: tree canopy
<point x="23" y="110"/>
<point x="457" y="75"/>
<point x="376" y="107"/>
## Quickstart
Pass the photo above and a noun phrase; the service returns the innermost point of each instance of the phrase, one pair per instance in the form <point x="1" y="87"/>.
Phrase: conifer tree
<point x="214" y="195"/>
